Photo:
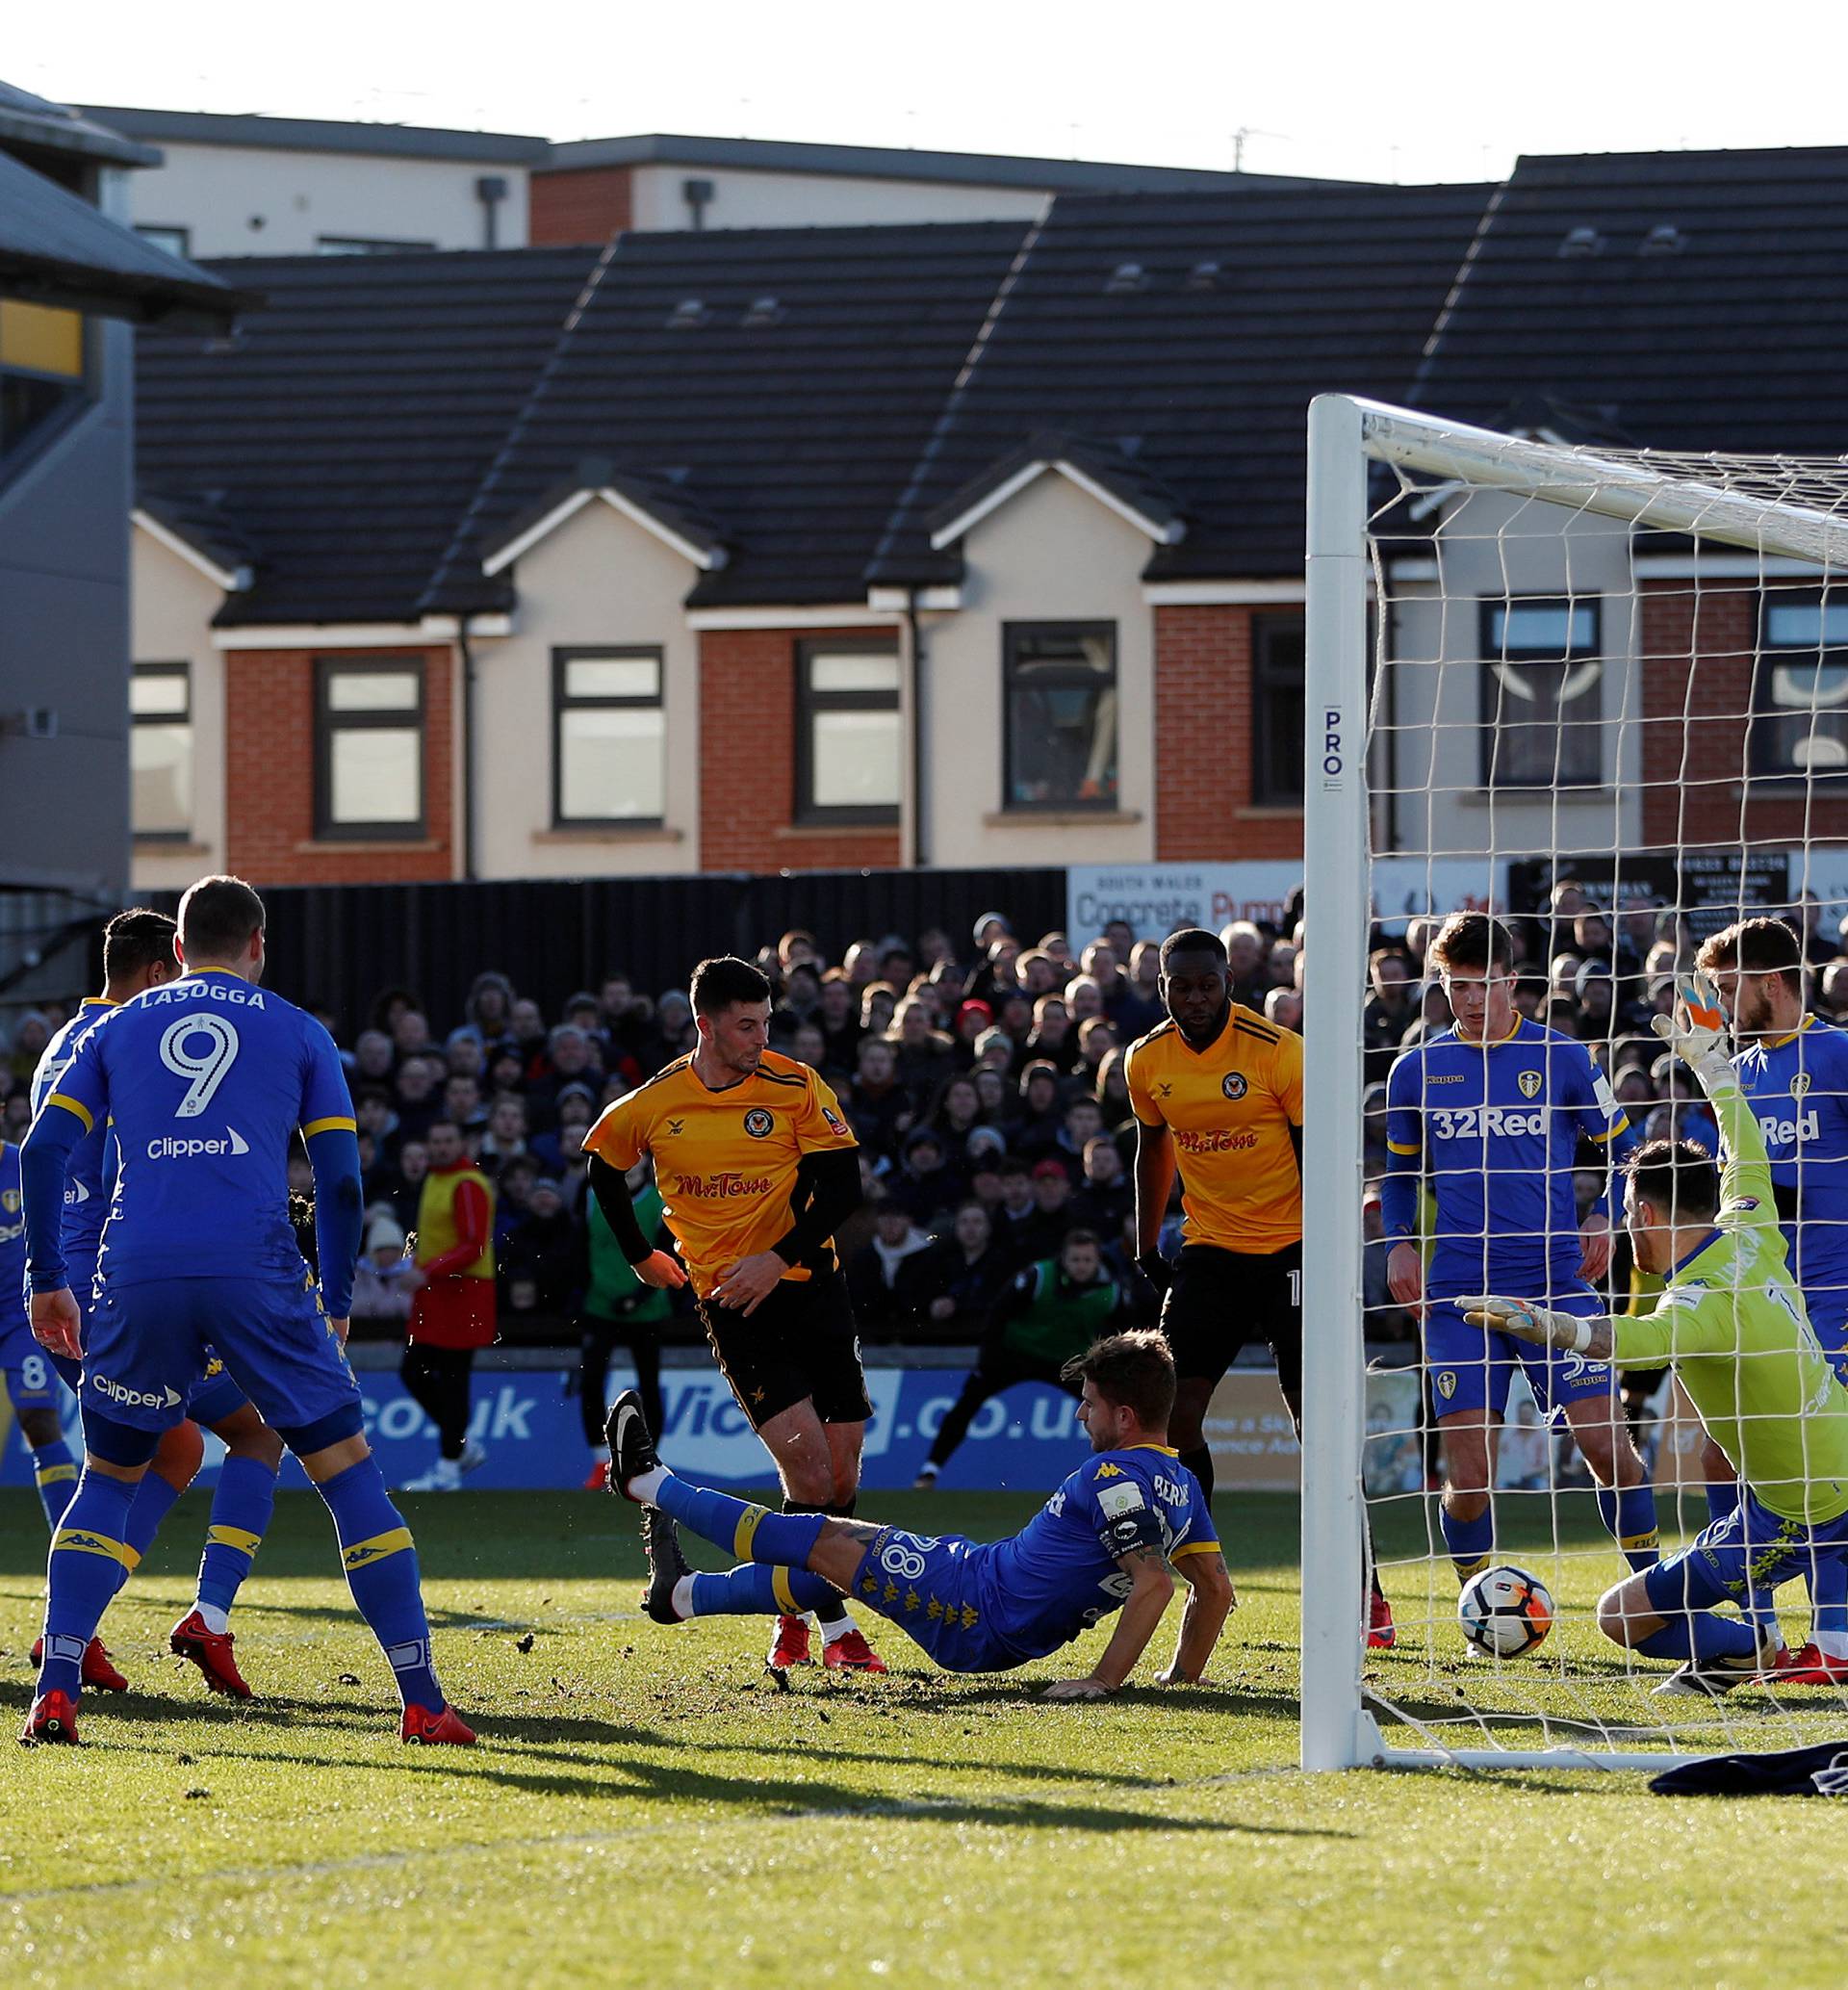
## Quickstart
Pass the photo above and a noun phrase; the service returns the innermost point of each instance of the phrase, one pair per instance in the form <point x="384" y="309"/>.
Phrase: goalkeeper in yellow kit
<point x="1732" y="1320"/>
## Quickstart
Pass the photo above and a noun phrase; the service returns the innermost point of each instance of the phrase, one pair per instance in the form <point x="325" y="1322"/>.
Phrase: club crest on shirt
<point x="1233" y="1084"/>
<point x="1445" y="1381"/>
<point x="1799" y="1084"/>
<point x="1530" y="1083"/>
<point x="757" y="1122"/>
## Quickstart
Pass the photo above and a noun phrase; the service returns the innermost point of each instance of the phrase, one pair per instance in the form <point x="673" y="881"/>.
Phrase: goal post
<point x="1386" y="485"/>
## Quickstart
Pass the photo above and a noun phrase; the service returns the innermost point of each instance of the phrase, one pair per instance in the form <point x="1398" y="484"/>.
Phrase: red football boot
<point x="1382" y="1634"/>
<point x="52" y="1719"/>
<point x="429" y="1730"/>
<point x="1811" y="1667"/>
<point x="790" y="1646"/>
<point x="599" y="1478"/>
<point x="211" y="1652"/>
<point x="98" y="1669"/>
<point x="851" y="1653"/>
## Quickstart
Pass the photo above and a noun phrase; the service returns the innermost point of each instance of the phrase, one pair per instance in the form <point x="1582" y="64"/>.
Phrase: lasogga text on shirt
<point x="197" y="989"/>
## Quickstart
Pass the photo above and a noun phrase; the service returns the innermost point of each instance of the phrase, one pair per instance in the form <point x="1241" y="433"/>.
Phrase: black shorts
<point x="1219" y="1299"/>
<point x="799" y="1343"/>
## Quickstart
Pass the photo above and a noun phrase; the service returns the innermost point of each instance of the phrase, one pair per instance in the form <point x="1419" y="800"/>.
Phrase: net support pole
<point x="1335" y="1732"/>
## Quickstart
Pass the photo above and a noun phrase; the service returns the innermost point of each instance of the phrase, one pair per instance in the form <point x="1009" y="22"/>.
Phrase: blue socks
<point x="241" y="1503"/>
<point x="1828" y="1584"/>
<point x="152" y="1502"/>
<point x="84" y="1572"/>
<point x="1701" y="1637"/>
<point x="54" y="1471"/>
<point x="380" y="1562"/>
<point x="1471" y="1542"/>
<point x="750" y="1533"/>
<point x="1629" y="1513"/>
<point x="757" y="1590"/>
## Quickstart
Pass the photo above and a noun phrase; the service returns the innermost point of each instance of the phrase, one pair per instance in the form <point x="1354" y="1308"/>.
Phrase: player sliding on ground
<point x="1732" y="1322"/>
<point x="1494" y="1109"/>
<point x="206" y="1080"/>
<point x="1102" y="1544"/>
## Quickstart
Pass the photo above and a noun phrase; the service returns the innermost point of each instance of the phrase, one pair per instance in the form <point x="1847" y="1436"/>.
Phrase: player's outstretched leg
<point x="676" y="1591"/>
<point x="380" y="1560"/>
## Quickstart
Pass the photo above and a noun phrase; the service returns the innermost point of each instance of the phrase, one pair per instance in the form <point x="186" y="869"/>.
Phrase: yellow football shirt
<point x="725" y="1161"/>
<point x="1229" y="1109"/>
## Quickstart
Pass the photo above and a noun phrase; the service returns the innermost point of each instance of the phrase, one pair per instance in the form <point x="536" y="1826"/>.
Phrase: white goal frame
<point x="1346" y="437"/>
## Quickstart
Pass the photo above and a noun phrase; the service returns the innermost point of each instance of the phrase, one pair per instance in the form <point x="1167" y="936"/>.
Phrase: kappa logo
<point x="1529" y="1082"/>
<point x="757" y="1122"/>
<point x="1445" y="1381"/>
<point x="1110" y="1471"/>
<point x="1233" y="1084"/>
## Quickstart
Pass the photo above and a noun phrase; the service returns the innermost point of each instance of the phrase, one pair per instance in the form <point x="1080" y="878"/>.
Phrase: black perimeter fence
<point x="341" y="945"/>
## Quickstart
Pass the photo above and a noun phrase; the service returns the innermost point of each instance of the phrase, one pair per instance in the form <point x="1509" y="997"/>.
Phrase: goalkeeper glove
<point x="1696" y="1032"/>
<point x="1543" y="1325"/>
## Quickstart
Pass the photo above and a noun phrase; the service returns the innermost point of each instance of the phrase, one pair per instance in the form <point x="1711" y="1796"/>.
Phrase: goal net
<point x="1605" y="694"/>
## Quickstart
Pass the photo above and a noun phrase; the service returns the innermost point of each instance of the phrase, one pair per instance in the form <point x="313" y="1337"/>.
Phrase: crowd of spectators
<point x="981" y="1074"/>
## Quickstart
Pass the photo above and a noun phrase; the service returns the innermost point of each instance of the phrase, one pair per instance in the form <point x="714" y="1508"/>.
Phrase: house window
<point x="41" y="369"/>
<point x="1800" y="719"/>
<point x="848" y="750"/>
<point x="160" y="750"/>
<point x="369" y="747"/>
<point x="1276" y="711"/>
<point x="366" y="246"/>
<point x="609" y="761"/>
<point x="176" y="241"/>
<point x="1061" y="714"/>
<point x="1542" y="693"/>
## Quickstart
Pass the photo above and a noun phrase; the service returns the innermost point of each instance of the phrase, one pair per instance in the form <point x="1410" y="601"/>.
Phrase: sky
<point x="1444" y="90"/>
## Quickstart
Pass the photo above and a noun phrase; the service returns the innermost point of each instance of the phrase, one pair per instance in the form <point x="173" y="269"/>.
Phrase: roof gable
<point x="654" y="504"/>
<point x="1107" y="474"/>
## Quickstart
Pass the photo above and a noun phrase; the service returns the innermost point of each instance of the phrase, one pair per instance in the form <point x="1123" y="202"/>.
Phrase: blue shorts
<point x="1752" y="1548"/>
<point x="210" y="1400"/>
<point x="31" y="1371"/>
<point x="1470" y="1369"/>
<point x="928" y="1585"/>
<point x="151" y="1347"/>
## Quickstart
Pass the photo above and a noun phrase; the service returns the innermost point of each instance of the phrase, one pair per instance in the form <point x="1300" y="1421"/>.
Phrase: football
<point x="1505" y="1613"/>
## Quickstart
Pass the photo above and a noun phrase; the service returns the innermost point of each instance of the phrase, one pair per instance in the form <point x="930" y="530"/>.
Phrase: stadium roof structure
<point x="377" y="140"/>
<point x="1679" y="300"/>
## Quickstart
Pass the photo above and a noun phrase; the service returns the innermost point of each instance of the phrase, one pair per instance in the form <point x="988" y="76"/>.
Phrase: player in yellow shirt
<point x="755" y="1166"/>
<point x="1217" y="1094"/>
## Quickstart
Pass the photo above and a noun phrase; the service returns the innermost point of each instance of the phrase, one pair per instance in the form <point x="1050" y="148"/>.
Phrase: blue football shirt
<point x="1497" y="1126"/>
<point x="1057" y="1576"/>
<point x="1798" y="1089"/>
<point x="13" y="1241"/>
<point x="207" y="1079"/>
<point x="86" y="1202"/>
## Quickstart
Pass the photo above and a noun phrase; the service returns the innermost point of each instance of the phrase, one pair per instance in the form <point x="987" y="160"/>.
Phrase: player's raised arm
<point x="1697" y="1035"/>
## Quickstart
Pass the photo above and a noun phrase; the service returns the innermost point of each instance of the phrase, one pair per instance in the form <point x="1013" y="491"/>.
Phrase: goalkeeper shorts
<point x="1751" y="1548"/>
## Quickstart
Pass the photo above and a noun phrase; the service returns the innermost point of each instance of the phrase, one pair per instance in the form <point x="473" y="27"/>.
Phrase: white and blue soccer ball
<point x="1505" y="1613"/>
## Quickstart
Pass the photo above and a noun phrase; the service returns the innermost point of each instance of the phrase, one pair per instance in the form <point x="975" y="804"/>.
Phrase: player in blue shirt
<point x="138" y="954"/>
<point x="1493" y="1110"/>
<point x="1794" y="1070"/>
<point x="207" y="1080"/>
<point x="1102" y="1544"/>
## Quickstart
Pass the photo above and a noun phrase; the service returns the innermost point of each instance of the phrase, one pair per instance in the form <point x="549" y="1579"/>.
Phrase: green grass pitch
<point x="646" y="1809"/>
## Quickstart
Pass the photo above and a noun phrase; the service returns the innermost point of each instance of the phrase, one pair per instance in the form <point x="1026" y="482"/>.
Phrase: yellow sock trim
<point x="363" y="1553"/>
<point x="745" y="1530"/>
<point x="1632" y="1543"/>
<point x="1466" y="1569"/>
<point x="79" y="1541"/>
<point x="785" y="1596"/>
<point x="131" y="1557"/>
<point x="245" y="1542"/>
<point x="49" y="1475"/>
